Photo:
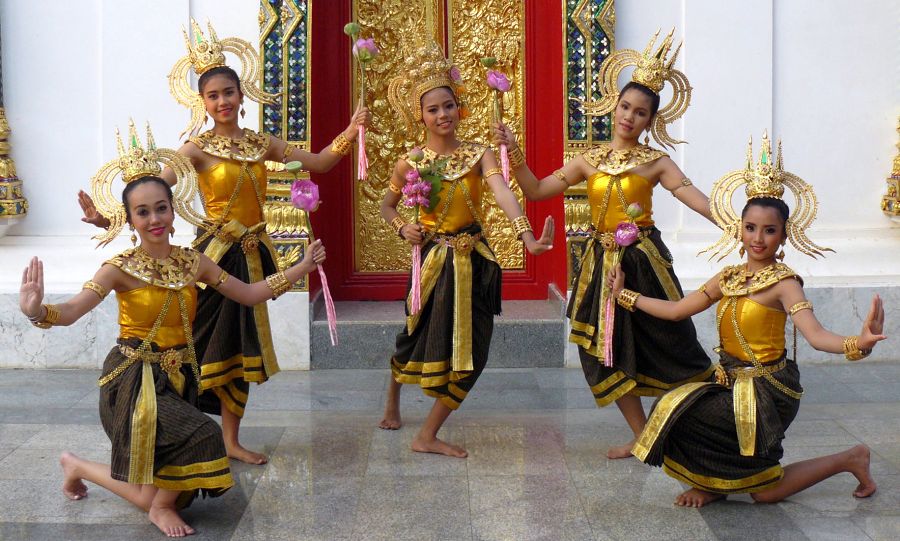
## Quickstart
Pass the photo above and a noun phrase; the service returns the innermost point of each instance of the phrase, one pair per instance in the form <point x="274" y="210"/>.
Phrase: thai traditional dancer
<point x="649" y="355"/>
<point x="233" y="342"/>
<point x="444" y="345"/>
<point x="725" y="437"/>
<point x="164" y="449"/>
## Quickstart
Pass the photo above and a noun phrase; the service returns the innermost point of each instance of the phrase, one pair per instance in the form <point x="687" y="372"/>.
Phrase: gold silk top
<point x="635" y="188"/>
<point x="462" y="177"/>
<point x="217" y="184"/>
<point x="762" y="327"/>
<point x="139" y="308"/>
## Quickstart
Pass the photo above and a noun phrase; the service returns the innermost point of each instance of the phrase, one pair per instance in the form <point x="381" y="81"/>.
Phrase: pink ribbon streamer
<point x="504" y="162"/>
<point x="416" y="279"/>
<point x="329" y="307"/>
<point x="362" y="168"/>
<point x="609" y="319"/>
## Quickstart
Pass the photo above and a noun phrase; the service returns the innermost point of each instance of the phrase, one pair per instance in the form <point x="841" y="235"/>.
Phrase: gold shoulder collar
<point x="736" y="281"/>
<point x="176" y="271"/>
<point x="463" y="159"/>
<point x="250" y="148"/>
<point x="615" y="162"/>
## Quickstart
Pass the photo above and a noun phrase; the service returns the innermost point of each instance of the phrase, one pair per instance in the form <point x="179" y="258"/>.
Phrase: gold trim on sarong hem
<point x="211" y="475"/>
<point x="753" y="483"/>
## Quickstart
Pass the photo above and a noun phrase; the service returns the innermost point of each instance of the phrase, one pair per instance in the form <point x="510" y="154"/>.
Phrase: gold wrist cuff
<point x="278" y="283"/>
<point x="101" y="291"/>
<point x="49" y="319"/>
<point x="521" y="225"/>
<point x="395" y="189"/>
<point x="852" y="351"/>
<point x="627" y="298"/>
<point x="516" y="157"/>
<point x="802" y="305"/>
<point x="494" y="171"/>
<point x="397" y="224"/>
<point x="341" y="145"/>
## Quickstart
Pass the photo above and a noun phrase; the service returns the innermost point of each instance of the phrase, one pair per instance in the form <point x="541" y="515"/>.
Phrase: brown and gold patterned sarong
<point x="445" y="347"/>
<point x="695" y="431"/>
<point x="188" y="453"/>
<point x="650" y="355"/>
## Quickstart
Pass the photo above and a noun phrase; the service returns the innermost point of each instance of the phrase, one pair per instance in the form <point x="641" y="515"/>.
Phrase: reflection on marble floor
<point x="536" y="469"/>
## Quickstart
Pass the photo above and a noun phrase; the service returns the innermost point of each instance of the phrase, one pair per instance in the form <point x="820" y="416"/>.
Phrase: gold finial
<point x="137" y="162"/>
<point x="205" y="54"/>
<point x="653" y="68"/>
<point x="766" y="180"/>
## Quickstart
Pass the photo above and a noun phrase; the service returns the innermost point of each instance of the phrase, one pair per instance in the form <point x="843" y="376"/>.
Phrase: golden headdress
<point x="424" y="68"/>
<point x="204" y="54"/>
<point x="767" y="180"/>
<point x="139" y="162"/>
<point x="652" y="69"/>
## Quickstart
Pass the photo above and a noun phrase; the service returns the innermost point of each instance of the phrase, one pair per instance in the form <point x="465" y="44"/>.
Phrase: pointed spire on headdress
<point x="151" y="143"/>
<point x="654" y="67"/>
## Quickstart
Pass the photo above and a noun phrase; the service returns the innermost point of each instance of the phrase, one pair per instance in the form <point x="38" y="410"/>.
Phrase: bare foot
<point x="697" y="498"/>
<point x="73" y="487"/>
<point x="858" y="465"/>
<point x="237" y="452"/>
<point x="621" y="451"/>
<point x="440" y="447"/>
<point x="168" y="521"/>
<point x="391" y="420"/>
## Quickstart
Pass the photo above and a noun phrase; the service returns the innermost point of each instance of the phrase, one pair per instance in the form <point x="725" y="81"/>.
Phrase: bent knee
<point x="764" y="497"/>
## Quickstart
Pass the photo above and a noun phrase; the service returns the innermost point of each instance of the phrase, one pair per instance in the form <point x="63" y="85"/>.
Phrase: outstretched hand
<point x="503" y="135"/>
<point x="91" y="215"/>
<point x="545" y="243"/>
<point x="616" y="280"/>
<point x="31" y="293"/>
<point x="873" y="326"/>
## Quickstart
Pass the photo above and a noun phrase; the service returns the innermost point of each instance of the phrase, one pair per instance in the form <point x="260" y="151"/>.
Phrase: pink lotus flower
<point x="365" y="49"/>
<point x="416" y="155"/>
<point x="305" y="195"/>
<point x="498" y="81"/>
<point x="455" y="75"/>
<point x="626" y="234"/>
<point x="412" y="176"/>
<point x="634" y="211"/>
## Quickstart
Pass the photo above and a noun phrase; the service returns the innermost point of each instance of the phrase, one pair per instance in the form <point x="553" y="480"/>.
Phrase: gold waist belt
<point x="234" y="231"/>
<point x="726" y="376"/>
<point x="169" y="360"/>
<point x="462" y="243"/>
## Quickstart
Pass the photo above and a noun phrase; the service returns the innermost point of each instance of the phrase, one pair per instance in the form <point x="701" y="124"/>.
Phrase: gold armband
<point x="521" y="225"/>
<point x="395" y="189"/>
<point x="685" y="182"/>
<point x="852" y="351"/>
<point x="561" y="176"/>
<point x="802" y="305"/>
<point x="101" y="291"/>
<point x="397" y="224"/>
<point x="50" y="317"/>
<point x="494" y="171"/>
<point x="278" y="283"/>
<point x="341" y="145"/>
<point x="223" y="277"/>
<point x="627" y="298"/>
<point x="288" y="150"/>
<point x="702" y="289"/>
<point x="516" y="157"/>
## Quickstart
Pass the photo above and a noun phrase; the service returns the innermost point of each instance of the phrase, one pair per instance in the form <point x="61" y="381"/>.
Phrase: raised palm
<point x="873" y="326"/>
<point x="545" y="242"/>
<point x="91" y="215"/>
<point x="32" y="291"/>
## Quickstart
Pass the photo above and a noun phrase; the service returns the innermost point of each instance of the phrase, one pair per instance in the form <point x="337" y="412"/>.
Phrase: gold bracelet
<point x="397" y="224"/>
<point x="50" y="317"/>
<point x="627" y="298"/>
<point x="516" y="157"/>
<point x="395" y="189"/>
<point x="341" y="145"/>
<point x="852" y="351"/>
<point x="521" y="225"/>
<point x="685" y="182"/>
<point x="101" y="291"/>
<point x="561" y="176"/>
<point x="802" y="305"/>
<point x="494" y="171"/>
<point x="223" y="277"/>
<point x="279" y="284"/>
<point x="288" y="150"/>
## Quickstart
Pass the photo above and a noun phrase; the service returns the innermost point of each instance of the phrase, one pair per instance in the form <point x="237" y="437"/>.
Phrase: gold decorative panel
<point x="890" y="203"/>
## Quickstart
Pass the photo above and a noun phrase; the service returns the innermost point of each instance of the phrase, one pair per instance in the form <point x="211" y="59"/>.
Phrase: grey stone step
<point x="528" y="334"/>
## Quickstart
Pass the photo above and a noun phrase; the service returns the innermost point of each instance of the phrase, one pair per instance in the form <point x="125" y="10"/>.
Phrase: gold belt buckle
<point x="464" y="243"/>
<point x="607" y="240"/>
<point x="170" y="361"/>
<point x="250" y="242"/>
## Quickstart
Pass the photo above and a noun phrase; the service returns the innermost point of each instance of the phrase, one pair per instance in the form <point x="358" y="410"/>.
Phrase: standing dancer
<point x="233" y="342"/>
<point x="725" y="437"/>
<point x="650" y="356"/>
<point x="444" y="346"/>
<point x="164" y="450"/>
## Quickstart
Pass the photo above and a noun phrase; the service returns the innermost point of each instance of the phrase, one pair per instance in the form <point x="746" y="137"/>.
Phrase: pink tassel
<point x="329" y="307"/>
<point x="504" y="162"/>
<point x="363" y="165"/>
<point x="609" y="318"/>
<point x="416" y="279"/>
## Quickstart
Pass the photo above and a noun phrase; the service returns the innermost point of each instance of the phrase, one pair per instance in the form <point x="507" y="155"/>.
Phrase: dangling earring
<point x="133" y="236"/>
<point x="206" y="119"/>
<point x="780" y="255"/>
<point x="742" y="251"/>
<point x="172" y="232"/>
<point x="647" y="138"/>
<point x="243" y="112"/>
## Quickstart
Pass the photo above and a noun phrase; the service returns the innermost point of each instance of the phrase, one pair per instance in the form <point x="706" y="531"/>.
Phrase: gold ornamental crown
<point x="424" y="68"/>
<point x="205" y="54"/>
<point x="652" y="69"/>
<point x="137" y="162"/>
<point x="768" y="179"/>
